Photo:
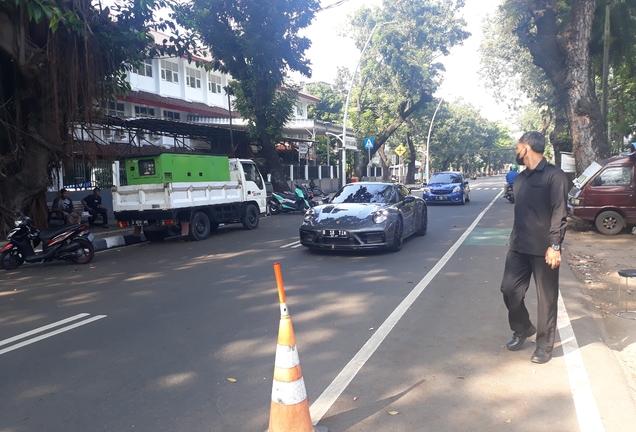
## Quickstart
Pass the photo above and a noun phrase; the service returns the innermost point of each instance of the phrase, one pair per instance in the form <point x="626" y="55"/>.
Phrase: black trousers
<point x="97" y="212"/>
<point x="516" y="280"/>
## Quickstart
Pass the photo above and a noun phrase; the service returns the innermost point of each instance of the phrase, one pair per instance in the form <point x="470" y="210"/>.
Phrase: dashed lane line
<point x="291" y="245"/>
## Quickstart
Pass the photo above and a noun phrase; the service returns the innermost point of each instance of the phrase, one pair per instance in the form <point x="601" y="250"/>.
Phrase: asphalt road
<point x="167" y="325"/>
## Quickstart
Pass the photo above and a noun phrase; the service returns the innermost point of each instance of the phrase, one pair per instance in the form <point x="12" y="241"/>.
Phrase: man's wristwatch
<point x="556" y="247"/>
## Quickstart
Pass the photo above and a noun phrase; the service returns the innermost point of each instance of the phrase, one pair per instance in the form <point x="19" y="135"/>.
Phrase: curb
<point x="117" y="241"/>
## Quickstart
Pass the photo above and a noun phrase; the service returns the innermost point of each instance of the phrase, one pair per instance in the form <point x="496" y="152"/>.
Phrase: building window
<point x="193" y="78"/>
<point x="214" y="83"/>
<point x="173" y="115"/>
<point x="300" y="110"/>
<point x="142" y="111"/>
<point x="113" y="109"/>
<point x="145" y="69"/>
<point x="169" y="71"/>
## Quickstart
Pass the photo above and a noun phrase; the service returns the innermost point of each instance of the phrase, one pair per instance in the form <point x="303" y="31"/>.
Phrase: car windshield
<point x="446" y="178"/>
<point x="365" y="194"/>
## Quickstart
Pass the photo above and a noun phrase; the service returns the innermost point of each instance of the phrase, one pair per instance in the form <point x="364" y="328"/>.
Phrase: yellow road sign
<point x="399" y="150"/>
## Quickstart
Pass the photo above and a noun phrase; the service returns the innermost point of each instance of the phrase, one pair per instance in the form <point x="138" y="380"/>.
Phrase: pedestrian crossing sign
<point x="368" y="143"/>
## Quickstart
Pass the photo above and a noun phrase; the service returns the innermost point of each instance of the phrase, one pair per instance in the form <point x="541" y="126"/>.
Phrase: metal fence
<point x="85" y="175"/>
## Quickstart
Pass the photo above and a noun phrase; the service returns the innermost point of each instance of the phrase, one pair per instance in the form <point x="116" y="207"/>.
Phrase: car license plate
<point x="334" y="233"/>
<point x="441" y="198"/>
<point x="139" y="222"/>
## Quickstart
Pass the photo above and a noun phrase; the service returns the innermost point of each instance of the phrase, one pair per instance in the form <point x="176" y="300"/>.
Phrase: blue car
<point x="447" y="187"/>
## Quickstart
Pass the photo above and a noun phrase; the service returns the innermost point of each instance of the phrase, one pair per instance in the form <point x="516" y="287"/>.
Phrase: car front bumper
<point x="451" y="198"/>
<point x="354" y="239"/>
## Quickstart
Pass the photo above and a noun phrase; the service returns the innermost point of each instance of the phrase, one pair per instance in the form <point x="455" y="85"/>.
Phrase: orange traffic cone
<point x="290" y="409"/>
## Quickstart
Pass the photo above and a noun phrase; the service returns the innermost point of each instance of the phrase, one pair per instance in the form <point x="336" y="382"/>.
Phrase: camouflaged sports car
<point x="365" y="215"/>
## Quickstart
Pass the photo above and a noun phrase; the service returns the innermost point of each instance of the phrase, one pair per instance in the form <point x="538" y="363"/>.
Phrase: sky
<point x="329" y="50"/>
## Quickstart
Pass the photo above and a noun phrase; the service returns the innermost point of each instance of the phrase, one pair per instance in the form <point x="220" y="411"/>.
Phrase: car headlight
<point x="456" y="189"/>
<point x="310" y="215"/>
<point x="427" y="190"/>
<point x="576" y="201"/>
<point x="380" y="216"/>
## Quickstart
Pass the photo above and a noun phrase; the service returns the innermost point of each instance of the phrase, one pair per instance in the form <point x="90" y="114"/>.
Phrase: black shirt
<point x="540" y="209"/>
<point x="93" y="201"/>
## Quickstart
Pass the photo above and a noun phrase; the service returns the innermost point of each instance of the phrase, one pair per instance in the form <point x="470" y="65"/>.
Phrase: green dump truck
<point x="170" y="194"/>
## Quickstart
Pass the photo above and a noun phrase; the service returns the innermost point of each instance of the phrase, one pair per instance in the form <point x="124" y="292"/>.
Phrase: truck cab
<point x="605" y="194"/>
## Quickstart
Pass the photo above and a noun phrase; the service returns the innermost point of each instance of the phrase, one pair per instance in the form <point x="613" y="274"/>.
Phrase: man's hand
<point x="553" y="258"/>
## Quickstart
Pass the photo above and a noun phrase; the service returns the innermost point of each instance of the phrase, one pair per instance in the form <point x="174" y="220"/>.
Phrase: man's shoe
<point x="540" y="356"/>
<point x="518" y="338"/>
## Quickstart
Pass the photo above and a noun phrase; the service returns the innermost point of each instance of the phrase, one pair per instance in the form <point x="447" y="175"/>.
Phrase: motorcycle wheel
<point x="274" y="208"/>
<point x="11" y="259"/>
<point x="86" y="251"/>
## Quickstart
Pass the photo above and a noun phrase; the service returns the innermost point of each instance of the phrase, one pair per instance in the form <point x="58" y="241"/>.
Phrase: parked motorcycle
<point x="509" y="193"/>
<point x="308" y="194"/>
<point x="67" y="243"/>
<point x="284" y="202"/>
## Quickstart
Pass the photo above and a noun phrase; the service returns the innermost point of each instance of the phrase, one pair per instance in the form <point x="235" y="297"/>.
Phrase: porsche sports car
<point x="447" y="187"/>
<point x="365" y="215"/>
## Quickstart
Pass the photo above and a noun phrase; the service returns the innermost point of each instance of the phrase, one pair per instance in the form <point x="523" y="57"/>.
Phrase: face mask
<point x="519" y="159"/>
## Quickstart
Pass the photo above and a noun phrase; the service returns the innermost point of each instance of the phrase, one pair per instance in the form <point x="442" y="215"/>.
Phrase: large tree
<point x="398" y="73"/>
<point x="57" y="58"/>
<point x="557" y="34"/>
<point x="257" y="42"/>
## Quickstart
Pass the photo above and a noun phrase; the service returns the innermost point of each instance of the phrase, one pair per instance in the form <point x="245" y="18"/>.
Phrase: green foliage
<point x="258" y="43"/>
<point x="331" y="103"/>
<point x="398" y="72"/>
<point x="463" y="139"/>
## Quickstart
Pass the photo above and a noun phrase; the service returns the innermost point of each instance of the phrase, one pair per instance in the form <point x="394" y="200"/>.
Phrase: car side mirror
<point x="466" y="182"/>
<point x="409" y="199"/>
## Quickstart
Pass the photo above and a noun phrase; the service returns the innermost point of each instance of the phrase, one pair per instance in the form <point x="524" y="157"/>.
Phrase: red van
<point x="605" y="195"/>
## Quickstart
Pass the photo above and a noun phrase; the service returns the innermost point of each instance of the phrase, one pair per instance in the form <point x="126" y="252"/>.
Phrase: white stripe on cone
<point x="290" y="393"/>
<point x="286" y="357"/>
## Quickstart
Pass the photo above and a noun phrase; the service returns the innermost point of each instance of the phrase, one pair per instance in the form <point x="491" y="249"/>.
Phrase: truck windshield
<point x="366" y="193"/>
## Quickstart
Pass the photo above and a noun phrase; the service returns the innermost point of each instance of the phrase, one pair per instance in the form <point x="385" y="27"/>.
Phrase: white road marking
<point x="297" y="246"/>
<point x="584" y="403"/>
<point x="41" y="329"/>
<point x="291" y="244"/>
<point x="586" y="409"/>
<point x="328" y="397"/>
<point x="53" y="333"/>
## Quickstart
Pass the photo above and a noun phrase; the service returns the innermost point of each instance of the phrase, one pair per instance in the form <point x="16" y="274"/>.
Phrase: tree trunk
<point x="559" y="137"/>
<point x="564" y="56"/>
<point x="584" y="113"/>
<point x="410" y="173"/>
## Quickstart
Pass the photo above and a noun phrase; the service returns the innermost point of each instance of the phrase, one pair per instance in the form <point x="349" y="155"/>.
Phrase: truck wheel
<point x="610" y="223"/>
<point x="250" y="219"/>
<point x="199" y="227"/>
<point x="154" y="236"/>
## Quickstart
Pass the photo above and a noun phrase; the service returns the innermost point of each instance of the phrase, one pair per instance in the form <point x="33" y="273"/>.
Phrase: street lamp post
<point x="329" y="144"/>
<point x="346" y="109"/>
<point x="428" y="139"/>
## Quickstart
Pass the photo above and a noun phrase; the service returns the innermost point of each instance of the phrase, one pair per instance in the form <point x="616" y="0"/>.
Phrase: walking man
<point x="535" y="246"/>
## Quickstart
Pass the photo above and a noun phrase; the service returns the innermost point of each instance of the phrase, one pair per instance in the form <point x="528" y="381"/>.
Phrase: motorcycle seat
<point x="47" y="234"/>
<point x="288" y="195"/>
